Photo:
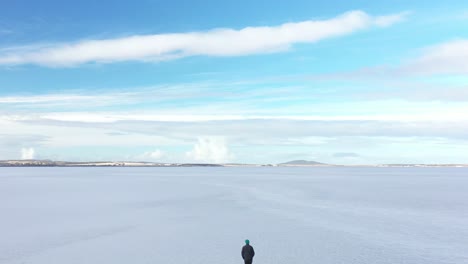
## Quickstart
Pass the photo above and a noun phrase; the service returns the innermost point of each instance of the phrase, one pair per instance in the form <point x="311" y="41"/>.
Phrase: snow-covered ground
<point x="202" y="215"/>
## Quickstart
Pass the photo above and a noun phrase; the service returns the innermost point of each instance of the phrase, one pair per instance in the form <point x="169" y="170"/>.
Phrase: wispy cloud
<point x="365" y="105"/>
<point x="440" y="114"/>
<point x="386" y="21"/>
<point x="282" y="130"/>
<point x="21" y="139"/>
<point x="345" y="155"/>
<point x="464" y="15"/>
<point x="241" y="140"/>
<point x="5" y="31"/>
<point x="154" y="155"/>
<point x="51" y="98"/>
<point x="217" y="42"/>
<point x="215" y="89"/>
<point x="447" y="58"/>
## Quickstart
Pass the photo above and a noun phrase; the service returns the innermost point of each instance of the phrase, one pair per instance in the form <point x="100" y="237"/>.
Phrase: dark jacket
<point x="248" y="252"/>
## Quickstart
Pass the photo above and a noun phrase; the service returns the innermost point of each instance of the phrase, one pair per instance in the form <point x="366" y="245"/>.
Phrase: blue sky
<point x="354" y="82"/>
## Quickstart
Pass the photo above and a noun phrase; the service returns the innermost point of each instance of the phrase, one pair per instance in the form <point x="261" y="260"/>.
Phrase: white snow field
<point x="203" y="215"/>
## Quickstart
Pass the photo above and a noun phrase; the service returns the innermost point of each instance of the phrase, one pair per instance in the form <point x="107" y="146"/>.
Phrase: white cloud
<point x="148" y="94"/>
<point x="156" y="154"/>
<point x="265" y="140"/>
<point x="447" y="58"/>
<point x="27" y="153"/>
<point x="385" y="21"/>
<point x="213" y="149"/>
<point x="47" y="98"/>
<point x="422" y="113"/>
<point x="217" y="42"/>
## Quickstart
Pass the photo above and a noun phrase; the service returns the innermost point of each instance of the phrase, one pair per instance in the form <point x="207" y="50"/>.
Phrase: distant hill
<point x="301" y="163"/>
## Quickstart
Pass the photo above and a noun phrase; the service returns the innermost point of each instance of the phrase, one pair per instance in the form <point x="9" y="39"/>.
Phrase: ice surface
<point x="203" y="215"/>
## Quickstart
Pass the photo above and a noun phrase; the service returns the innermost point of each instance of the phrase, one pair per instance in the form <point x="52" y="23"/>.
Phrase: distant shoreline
<point x="48" y="163"/>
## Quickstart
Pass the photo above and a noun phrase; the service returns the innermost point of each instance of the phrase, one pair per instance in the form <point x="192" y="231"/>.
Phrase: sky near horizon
<point x="342" y="82"/>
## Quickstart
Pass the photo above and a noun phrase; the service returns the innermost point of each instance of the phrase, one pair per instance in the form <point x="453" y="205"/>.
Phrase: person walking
<point x="247" y="252"/>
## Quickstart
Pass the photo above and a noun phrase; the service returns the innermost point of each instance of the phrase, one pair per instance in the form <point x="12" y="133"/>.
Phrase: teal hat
<point x="247" y="242"/>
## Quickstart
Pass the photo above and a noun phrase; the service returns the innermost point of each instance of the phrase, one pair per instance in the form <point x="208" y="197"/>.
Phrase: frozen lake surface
<point x="202" y="215"/>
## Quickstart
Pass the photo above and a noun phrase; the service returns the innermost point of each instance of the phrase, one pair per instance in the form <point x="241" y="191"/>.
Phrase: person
<point x="247" y="252"/>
